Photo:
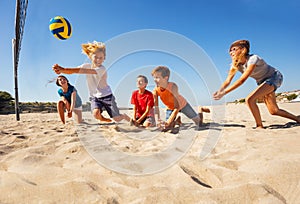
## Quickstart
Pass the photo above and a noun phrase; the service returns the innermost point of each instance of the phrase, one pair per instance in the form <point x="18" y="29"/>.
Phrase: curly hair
<point x="91" y="48"/>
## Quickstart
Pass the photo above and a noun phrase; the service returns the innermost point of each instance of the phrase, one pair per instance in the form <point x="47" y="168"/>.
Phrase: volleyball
<point x="60" y="28"/>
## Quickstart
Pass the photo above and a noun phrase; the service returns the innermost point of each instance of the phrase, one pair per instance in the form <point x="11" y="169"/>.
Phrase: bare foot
<point x="200" y="119"/>
<point x="103" y="119"/>
<point x="298" y="117"/>
<point x="203" y="109"/>
<point x="259" y="127"/>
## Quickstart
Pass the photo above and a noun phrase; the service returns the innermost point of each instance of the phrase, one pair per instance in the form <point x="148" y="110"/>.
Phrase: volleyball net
<point x="21" y="8"/>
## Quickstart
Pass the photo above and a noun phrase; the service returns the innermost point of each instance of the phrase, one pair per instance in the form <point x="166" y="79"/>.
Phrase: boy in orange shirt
<point x="169" y="95"/>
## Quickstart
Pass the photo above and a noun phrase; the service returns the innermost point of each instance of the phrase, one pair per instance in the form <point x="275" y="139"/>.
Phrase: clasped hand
<point x="219" y="94"/>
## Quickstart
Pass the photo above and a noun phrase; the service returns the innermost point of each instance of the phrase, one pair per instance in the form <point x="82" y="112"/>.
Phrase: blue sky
<point x="271" y="26"/>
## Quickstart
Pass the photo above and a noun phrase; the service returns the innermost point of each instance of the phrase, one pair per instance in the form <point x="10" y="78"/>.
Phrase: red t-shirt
<point x="141" y="101"/>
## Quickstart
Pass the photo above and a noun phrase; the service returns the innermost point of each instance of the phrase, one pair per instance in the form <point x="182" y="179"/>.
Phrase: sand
<point x="43" y="161"/>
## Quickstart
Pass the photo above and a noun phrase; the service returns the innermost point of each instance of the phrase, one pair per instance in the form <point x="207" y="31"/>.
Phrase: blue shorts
<point x="107" y="103"/>
<point x="187" y="110"/>
<point x="275" y="80"/>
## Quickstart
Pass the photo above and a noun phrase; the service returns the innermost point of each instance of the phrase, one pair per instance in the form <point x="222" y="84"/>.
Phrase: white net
<point x="19" y="25"/>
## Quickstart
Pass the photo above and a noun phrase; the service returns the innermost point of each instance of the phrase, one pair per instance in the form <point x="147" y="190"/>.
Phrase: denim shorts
<point x="107" y="103"/>
<point x="187" y="110"/>
<point x="274" y="80"/>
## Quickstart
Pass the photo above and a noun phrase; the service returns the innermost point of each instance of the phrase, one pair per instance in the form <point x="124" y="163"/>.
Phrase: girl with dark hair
<point x="70" y="100"/>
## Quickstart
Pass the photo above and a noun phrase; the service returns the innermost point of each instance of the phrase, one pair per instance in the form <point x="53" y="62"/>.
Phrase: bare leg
<point x="78" y="116"/>
<point x="68" y="106"/>
<point x="149" y="123"/>
<point x="261" y="91"/>
<point x="61" y="111"/>
<point x="97" y="115"/>
<point x="270" y="101"/>
<point x="146" y="124"/>
<point x="199" y="119"/>
<point x="121" y="117"/>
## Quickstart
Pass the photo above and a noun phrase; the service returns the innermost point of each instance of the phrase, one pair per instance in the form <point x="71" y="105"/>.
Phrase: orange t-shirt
<point x="168" y="98"/>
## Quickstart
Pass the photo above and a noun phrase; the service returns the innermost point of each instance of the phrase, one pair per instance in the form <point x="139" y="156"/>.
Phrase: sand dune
<point x="43" y="161"/>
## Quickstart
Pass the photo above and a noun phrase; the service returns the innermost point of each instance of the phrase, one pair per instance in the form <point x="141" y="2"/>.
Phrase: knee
<point x="250" y="100"/>
<point x="60" y="104"/>
<point x="274" y="111"/>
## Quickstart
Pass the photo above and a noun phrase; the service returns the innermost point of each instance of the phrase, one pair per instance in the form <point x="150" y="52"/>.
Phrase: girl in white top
<point x="267" y="78"/>
<point x="101" y="96"/>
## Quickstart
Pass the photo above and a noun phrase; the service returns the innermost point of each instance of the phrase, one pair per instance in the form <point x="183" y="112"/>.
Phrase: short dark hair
<point x="144" y="77"/>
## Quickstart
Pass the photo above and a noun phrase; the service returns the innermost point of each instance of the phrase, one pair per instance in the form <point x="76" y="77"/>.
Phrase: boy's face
<point x="140" y="83"/>
<point x="97" y="58"/>
<point x="160" y="80"/>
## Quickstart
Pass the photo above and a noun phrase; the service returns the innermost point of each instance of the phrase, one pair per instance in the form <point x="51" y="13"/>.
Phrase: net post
<point x="16" y="80"/>
<point x="21" y="7"/>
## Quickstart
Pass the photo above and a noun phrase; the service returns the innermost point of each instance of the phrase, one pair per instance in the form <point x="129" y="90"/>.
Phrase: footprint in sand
<point x="21" y="137"/>
<point x="201" y="175"/>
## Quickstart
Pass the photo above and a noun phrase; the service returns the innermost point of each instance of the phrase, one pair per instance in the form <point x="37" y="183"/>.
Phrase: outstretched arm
<point x="224" y="90"/>
<point x="221" y="92"/>
<point x="58" y="70"/>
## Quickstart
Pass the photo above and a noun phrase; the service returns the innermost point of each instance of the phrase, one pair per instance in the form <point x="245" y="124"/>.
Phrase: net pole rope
<point x="15" y="58"/>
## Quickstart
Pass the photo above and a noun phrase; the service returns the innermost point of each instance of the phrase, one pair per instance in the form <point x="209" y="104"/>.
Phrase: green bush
<point x="5" y="96"/>
<point x="291" y="96"/>
<point x="242" y="100"/>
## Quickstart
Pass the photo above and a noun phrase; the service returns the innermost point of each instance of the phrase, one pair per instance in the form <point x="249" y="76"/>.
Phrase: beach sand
<point x="43" y="161"/>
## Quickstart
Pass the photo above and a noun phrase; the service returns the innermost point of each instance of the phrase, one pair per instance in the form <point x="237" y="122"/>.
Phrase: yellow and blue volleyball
<point x="60" y="27"/>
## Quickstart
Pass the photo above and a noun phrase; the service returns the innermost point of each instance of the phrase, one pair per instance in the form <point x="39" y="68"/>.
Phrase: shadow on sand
<point x="287" y="125"/>
<point x="176" y="130"/>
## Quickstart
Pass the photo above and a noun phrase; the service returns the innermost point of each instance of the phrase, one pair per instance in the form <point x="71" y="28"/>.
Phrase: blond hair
<point x="163" y="70"/>
<point x="91" y="48"/>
